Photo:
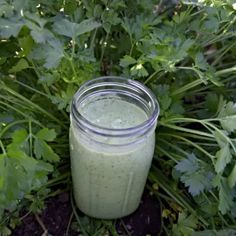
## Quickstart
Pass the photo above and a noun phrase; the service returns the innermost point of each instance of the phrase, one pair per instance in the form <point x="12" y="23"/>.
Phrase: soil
<point x="144" y="221"/>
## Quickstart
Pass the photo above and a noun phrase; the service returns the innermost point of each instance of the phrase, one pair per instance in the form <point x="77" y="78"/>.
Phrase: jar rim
<point x="145" y="126"/>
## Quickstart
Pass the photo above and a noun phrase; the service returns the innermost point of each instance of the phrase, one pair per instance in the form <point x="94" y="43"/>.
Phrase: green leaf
<point x="138" y="70"/>
<point x="28" y="163"/>
<point x="201" y="62"/>
<point x="232" y="177"/>
<point x="220" y="138"/>
<point x="20" y="65"/>
<point x="19" y="136"/>
<point x="6" y="8"/>
<point x="10" y="27"/>
<point x="225" y="197"/>
<point x="229" y="123"/>
<point x="127" y="60"/>
<point x="195" y="174"/>
<point x="185" y="225"/>
<point x="188" y="165"/>
<point x="26" y="43"/>
<point x="212" y="101"/>
<point x="51" y="53"/>
<point x="72" y="30"/>
<point x="228" y="117"/>
<point x="42" y="149"/>
<point x="46" y="134"/>
<point x="225" y="194"/>
<point x="223" y="157"/>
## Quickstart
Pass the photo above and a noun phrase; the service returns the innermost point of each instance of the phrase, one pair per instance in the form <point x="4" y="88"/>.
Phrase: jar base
<point x="104" y="217"/>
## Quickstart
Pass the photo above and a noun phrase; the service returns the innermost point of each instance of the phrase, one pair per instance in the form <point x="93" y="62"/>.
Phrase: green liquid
<point x="108" y="181"/>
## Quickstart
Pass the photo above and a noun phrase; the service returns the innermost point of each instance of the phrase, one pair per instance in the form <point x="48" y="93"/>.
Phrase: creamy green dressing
<point x="108" y="182"/>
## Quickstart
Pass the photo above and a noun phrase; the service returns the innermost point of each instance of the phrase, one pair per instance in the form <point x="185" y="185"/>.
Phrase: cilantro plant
<point x="183" y="50"/>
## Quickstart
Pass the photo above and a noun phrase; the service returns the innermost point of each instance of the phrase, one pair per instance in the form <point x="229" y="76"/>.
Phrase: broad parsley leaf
<point x="20" y="65"/>
<point x="41" y="148"/>
<point x="46" y="134"/>
<point x="6" y="9"/>
<point x="72" y="30"/>
<point x="223" y="157"/>
<point x="19" y="136"/>
<point x="36" y="24"/>
<point x="127" y="61"/>
<point x="195" y="174"/>
<point x="138" y="70"/>
<point x="11" y="27"/>
<point x="51" y="53"/>
<point x="26" y="43"/>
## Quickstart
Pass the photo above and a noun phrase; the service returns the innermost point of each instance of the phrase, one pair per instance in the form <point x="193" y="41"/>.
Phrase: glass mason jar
<point x="112" y="140"/>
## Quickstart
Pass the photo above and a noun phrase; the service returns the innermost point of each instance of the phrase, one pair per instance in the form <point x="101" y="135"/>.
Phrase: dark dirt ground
<point x="144" y="221"/>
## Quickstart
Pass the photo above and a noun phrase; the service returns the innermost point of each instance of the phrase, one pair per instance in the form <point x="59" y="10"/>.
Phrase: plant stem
<point x="2" y="147"/>
<point x="201" y="133"/>
<point x="187" y="87"/>
<point x="30" y="138"/>
<point x="14" y="93"/>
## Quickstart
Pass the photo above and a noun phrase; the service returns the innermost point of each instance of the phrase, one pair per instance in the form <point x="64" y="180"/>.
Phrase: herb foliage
<point x="185" y="51"/>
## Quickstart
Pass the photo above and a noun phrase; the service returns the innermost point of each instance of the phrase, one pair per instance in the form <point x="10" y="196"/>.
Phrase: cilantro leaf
<point x="228" y="117"/>
<point x="72" y="30"/>
<point x="223" y="157"/>
<point x="225" y="194"/>
<point x="232" y="177"/>
<point x="188" y="165"/>
<point x="195" y="174"/>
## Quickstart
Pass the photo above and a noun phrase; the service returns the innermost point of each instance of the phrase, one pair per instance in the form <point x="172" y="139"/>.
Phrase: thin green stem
<point x="31" y="88"/>
<point x="103" y="47"/>
<point x="167" y="154"/>
<point x="218" y="58"/>
<point x="14" y="109"/>
<point x="193" y="144"/>
<point x="10" y="125"/>
<point x="2" y="147"/>
<point x="153" y="75"/>
<point x="69" y="223"/>
<point x="187" y="87"/>
<point x="77" y="216"/>
<point x="226" y="71"/>
<point x="192" y="131"/>
<point x="37" y="107"/>
<point x="156" y="176"/>
<point x="174" y="147"/>
<point x="30" y="138"/>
